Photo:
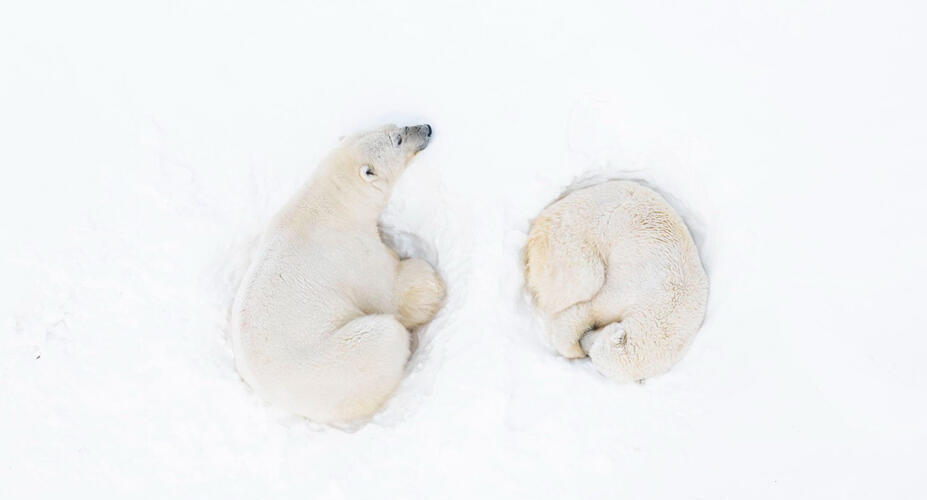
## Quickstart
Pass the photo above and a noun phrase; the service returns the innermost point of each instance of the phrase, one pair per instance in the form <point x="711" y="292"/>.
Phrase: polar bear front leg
<point x="419" y="291"/>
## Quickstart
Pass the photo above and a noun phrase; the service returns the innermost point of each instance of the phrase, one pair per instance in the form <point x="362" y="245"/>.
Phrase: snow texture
<point x="145" y="145"/>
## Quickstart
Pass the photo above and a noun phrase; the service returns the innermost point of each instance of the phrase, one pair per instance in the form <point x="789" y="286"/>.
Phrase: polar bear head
<point x="378" y="157"/>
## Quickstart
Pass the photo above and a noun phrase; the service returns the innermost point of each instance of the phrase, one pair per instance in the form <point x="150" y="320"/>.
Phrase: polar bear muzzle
<point x="419" y="135"/>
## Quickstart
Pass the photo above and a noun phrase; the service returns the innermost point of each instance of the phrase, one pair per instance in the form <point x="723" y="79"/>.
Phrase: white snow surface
<point x="144" y="145"/>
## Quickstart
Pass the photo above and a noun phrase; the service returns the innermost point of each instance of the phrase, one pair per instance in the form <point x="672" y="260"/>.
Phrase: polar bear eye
<point x="398" y="140"/>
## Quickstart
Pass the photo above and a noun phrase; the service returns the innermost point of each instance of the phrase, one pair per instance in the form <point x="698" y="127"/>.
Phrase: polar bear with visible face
<point x="617" y="277"/>
<point x="321" y="323"/>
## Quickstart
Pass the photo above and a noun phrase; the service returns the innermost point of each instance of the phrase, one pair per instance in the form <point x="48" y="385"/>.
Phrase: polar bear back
<point x="649" y="254"/>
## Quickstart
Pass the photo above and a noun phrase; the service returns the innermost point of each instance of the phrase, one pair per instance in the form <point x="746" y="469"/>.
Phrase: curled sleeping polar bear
<point x="321" y="322"/>
<point x="616" y="275"/>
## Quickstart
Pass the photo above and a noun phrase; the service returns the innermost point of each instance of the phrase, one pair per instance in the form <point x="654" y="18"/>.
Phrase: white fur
<point x="615" y="273"/>
<point x="321" y="322"/>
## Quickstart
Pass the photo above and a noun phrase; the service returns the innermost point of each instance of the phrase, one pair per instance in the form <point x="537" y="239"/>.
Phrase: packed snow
<point x="145" y="146"/>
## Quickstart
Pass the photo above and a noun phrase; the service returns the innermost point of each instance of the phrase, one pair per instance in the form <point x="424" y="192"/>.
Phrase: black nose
<point x="428" y="130"/>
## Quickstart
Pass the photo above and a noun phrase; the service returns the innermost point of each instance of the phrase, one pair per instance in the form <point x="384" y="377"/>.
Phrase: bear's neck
<point x="333" y="199"/>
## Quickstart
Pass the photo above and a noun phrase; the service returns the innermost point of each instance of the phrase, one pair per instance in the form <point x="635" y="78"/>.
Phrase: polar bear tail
<point x="632" y="350"/>
<point x="358" y="369"/>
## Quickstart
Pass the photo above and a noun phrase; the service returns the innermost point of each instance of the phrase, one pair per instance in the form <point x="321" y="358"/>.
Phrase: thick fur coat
<point x="617" y="277"/>
<point x="321" y="323"/>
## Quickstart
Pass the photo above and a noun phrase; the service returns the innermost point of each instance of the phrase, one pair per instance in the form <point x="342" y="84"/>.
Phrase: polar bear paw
<point x="421" y="292"/>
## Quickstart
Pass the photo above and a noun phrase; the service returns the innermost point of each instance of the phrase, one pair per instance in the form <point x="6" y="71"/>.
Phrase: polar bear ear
<point x="367" y="173"/>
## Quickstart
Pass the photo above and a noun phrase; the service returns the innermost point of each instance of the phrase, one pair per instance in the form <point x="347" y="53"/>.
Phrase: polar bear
<point x="616" y="275"/>
<point x="320" y="325"/>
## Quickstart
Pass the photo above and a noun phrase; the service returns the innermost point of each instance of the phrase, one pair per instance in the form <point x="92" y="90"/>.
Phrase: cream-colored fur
<point x="617" y="277"/>
<point x="321" y="323"/>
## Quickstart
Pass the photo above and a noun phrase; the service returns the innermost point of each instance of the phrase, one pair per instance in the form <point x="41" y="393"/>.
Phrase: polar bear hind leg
<point x="362" y="364"/>
<point x="420" y="291"/>
<point x="562" y="270"/>
<point x="567" y="327"/>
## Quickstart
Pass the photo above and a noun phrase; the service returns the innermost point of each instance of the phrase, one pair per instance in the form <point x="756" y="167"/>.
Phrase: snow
<point x="144" y="146"/>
